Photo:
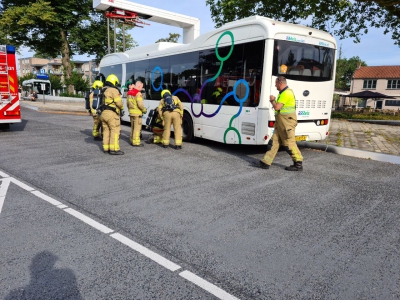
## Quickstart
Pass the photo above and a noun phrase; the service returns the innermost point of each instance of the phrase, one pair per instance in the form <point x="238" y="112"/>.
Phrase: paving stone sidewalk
<point x="56" y="106"/>
<point x="357" y="135"/>
<point x="364" y="136"/>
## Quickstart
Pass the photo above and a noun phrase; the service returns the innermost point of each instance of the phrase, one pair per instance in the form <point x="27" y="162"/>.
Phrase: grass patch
<point x="365" y="116"/>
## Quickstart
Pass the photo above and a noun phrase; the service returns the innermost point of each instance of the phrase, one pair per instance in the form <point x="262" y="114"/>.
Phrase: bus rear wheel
<point x="187" y="128"/>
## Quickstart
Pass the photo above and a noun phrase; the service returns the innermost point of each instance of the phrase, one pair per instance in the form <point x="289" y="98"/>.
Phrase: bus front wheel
<point x="187" y="128"/>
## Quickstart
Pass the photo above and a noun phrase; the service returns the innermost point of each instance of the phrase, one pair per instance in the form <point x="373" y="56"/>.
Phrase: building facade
<point x="34" y="65"/>
<point x="381" y="79"/>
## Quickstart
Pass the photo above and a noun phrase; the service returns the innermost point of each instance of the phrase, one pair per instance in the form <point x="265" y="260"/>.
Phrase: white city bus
<point x="35" y="85"/>
<point x="241" y="60"/>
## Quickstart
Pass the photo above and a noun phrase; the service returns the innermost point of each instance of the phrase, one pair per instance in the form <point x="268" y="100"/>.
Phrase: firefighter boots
<point x="261" y="164"/>
<point x="119" y="152"/>
<point x="298" y="166"/>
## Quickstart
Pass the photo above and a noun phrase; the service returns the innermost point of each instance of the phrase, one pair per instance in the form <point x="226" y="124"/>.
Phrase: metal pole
<point x="123" y="37"/>
<point x="115" y="37"/>
<point x="108" y="34"/>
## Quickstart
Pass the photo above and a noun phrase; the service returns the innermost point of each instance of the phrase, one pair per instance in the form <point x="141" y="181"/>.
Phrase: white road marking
<point x="88" y="220"/>
<point x="4" y="175"/>
<point x="5" y="182"/>
<point x="2" y="202"/>
<point x="46" y="198"/>
<point x="146" y="252"/>
<point x="205" y="285"/>
<point x="22" y="185"/>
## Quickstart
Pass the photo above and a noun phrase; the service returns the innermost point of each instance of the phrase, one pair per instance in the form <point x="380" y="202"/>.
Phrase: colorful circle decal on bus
<point x="232" y="93"/>
<point x="161" y="81"/>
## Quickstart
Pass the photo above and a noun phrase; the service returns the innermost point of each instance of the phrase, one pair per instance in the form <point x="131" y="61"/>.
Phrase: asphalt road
<point x="200" y="223"/>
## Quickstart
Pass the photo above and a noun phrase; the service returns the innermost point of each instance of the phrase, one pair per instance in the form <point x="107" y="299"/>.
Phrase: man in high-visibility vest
<point x="284" y="129"/>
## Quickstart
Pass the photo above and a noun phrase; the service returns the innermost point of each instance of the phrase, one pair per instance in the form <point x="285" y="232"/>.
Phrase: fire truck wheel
<point x="4" y="126"/>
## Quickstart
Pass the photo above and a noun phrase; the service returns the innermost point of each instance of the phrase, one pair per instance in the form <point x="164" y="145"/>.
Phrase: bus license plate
<point x="300" y="138"/>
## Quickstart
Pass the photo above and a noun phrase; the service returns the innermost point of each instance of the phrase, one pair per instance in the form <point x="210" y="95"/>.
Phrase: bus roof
<point x="247" y="29"/>
<point x="34" y="80"/>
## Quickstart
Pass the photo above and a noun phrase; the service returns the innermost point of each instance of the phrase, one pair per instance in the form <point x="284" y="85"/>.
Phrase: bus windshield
<point x="303" y="62"/>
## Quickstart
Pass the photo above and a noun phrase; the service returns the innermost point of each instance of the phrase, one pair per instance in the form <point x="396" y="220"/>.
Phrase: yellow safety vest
<point x="286" y="97"/>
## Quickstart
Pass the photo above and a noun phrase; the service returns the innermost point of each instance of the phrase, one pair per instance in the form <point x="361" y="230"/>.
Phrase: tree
<point x="345" y="69"/>
<point x="55" y="81"/>
<point x="80" y="84"/>
<point x="92" y="37"/>
<point x="344" y="18"/>
<point x="173" y="38"/>
<point x="26" y="77"/>
<point x="54" y="28"/>
<point x="37" y="54"/>
<point x="45" y="26"/>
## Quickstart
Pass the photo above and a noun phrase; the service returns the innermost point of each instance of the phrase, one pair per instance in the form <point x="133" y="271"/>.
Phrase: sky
<point x="376" y="49"/>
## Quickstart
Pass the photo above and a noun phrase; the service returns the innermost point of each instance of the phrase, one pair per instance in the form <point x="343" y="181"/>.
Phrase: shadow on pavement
<point x="47" y="282"/>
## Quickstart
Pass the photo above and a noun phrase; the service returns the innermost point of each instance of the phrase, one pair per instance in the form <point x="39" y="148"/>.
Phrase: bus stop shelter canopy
<point x="369" y="95"/>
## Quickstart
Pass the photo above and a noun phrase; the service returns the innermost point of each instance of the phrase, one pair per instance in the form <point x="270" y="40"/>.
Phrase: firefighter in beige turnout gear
<point x="110" y="117"/>
<point x="284" y="129"/>
<point x="171" y="116"/>
<point x="157" y="130"/>
<point x="136" y="111"/>
<point x="96" y="132"/>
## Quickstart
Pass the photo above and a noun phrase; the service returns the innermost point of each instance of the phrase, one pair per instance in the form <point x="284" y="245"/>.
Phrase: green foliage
<point x="173" y="38"/>
<point x="341" y="115"/>
<point x="41" y="55"/>
<point x="92" y="37"/>
<point x="55" y="81"/>
<point x="350" y="18"/>
<point x="365" y="116"/>
<point x="344" y="71"/>
<point x="66" y="94"/>
<point x="26" y="77"/>
<point x="56" y="28"/>
<point x="80" y="84"/>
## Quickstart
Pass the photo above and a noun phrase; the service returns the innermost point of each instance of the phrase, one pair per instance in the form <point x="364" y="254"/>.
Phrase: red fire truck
<point x="10" y="111"/>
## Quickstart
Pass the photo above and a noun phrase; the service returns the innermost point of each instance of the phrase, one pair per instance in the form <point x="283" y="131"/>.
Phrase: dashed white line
<point x="146" y="252"/>
<point x="46" y="198"/>
<point x="209" y="287"/>
<point x="88" y="220"/>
